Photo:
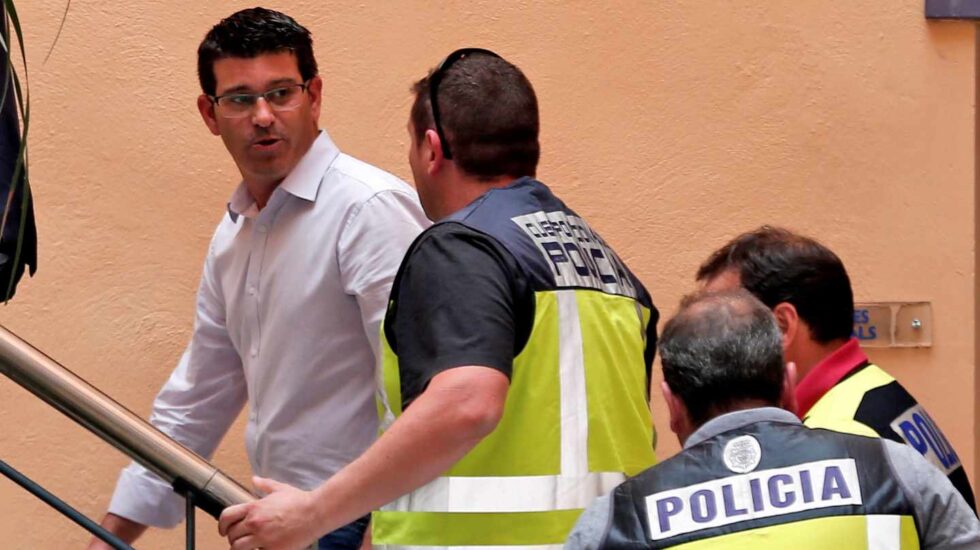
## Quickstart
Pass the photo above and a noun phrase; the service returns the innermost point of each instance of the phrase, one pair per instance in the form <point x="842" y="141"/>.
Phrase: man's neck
<point x="462" y="190"/>
<point x="740" y="405"/>
<point x="261" y="191"/>
<point x="810" y="354"/>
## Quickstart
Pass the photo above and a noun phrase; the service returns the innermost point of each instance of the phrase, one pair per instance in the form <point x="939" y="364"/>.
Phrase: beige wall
<point x="670" y="125"/>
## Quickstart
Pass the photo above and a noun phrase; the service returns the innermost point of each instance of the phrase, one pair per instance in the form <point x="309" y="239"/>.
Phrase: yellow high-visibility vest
<point x="576" y="421"/>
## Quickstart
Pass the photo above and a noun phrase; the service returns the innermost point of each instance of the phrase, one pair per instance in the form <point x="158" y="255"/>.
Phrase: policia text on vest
<point x="758" y="479"/>
<point x="767" y="493"/>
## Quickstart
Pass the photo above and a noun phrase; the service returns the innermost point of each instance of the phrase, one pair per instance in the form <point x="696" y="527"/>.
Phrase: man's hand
<point x="285" y="519"/>
<point x="459" y="408"/>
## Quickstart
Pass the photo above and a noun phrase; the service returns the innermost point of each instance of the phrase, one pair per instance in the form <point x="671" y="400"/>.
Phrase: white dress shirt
<point x="288" y="319"/>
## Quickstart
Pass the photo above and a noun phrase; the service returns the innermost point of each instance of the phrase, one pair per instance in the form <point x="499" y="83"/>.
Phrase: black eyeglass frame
<point x="303" y="87"/>
<point x="435" y="79"/>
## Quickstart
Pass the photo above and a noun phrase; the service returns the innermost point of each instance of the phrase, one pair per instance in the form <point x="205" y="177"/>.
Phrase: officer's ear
<point x="788" y="398"/>
<point x="788" y="321"/>
<point x="433" y="155"/>
<point x="680" y="418"/>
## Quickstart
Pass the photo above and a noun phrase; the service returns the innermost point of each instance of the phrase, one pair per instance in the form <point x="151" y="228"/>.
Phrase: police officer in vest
<point x="517" y="350"/>
<point x="751" y="475"/>
<point x="837" y="387"/>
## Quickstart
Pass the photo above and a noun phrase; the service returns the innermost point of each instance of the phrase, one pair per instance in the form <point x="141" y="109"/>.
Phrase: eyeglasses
<point x="435" y="79"/>
<point x="238" y="105"/>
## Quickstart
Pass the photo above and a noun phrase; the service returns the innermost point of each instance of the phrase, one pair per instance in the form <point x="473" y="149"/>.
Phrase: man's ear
<point x="432" y="152"/>
<point x="206" y="107"/>
<point x="315" y="90"/>
<point x="788" y="321"/>
<point x="680" y="419"/>
<point x="788" y="398"/>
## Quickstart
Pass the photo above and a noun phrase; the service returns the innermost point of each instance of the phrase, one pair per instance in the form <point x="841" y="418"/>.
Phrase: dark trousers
<point x="348" y="537"/>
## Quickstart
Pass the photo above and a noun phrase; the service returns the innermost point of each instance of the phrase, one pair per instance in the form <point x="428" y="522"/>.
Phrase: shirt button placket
<point x="259" y="237"/>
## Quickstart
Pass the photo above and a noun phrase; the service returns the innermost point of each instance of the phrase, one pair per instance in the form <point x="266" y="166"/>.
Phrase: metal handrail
<point x="63" y="507"/>
<point x="184" y="470"/>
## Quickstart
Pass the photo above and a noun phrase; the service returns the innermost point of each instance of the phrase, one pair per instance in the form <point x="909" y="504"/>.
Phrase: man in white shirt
<point x="294" y="286"/>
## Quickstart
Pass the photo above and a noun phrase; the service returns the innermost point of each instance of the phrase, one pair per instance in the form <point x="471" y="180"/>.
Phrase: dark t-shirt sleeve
<point x="461" y="300"/>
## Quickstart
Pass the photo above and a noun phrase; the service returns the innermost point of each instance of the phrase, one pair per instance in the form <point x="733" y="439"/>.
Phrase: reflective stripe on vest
<point x="575" y="423"/>
<point x="836" y="409"/>
<point x="507" y="494"/>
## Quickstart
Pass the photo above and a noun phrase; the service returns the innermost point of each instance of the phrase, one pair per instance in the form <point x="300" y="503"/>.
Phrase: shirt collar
<point x="303" y="182"/>
<point x="739" y="419"/>
<point x="827" y="373"/>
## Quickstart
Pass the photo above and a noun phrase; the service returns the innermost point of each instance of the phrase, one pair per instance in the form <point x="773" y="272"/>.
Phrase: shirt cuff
<point x="143" y="497"/>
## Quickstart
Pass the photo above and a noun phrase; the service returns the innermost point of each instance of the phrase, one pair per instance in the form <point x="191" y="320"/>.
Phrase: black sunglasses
<point x="435" y="79"/>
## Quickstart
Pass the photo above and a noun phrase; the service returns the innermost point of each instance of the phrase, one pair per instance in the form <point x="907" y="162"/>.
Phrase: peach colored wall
<point x="670" y="125"/>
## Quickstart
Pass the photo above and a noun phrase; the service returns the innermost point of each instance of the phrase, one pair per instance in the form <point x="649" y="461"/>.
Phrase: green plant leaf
<point x="64" y="17"/>
<point x="22" y="96"/>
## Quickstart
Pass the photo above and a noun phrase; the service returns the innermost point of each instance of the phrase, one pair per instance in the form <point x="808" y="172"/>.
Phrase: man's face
<point x="266" y="143"/>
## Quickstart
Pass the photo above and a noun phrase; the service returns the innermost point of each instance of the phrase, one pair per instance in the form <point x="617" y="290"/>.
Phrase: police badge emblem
<point x="742" y="454"/>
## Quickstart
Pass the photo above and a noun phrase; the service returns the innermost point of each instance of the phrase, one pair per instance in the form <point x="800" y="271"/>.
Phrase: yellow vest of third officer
<point x="872" y="403"/>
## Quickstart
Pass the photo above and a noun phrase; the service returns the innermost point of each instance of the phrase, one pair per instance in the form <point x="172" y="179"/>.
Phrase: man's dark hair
<point x="721" y="350"/>
<point x="489" y="114"/>
<point x="778" y="265"/>
<point x="251" y="33"/>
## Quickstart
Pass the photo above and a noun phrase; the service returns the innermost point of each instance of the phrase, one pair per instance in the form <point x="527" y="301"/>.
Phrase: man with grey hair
<point x="751" y="475"/>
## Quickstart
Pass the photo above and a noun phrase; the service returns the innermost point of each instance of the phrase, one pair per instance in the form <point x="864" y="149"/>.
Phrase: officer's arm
<point x="945" y="520"/>
<point x="457" y="410"/>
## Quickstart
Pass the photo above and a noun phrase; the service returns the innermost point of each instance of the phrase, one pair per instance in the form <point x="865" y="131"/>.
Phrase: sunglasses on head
<point x="436" y="78"/>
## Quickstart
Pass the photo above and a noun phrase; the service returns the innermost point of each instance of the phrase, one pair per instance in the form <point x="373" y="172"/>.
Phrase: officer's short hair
<point x="722" y="349"/>
<point x="778" y="265"/>
<point x="250" y="33"/>
<point x="489" y="114"/>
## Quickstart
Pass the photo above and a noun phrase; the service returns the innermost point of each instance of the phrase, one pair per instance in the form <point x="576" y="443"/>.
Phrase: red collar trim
<point x="827" y="374"/>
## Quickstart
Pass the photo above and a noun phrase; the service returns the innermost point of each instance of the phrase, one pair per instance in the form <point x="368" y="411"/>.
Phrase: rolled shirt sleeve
<point x="196" y="407"/>
<point x="370" y="250"/>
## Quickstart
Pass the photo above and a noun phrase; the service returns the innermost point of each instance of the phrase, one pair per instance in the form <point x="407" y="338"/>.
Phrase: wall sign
<point x="893" y="324"/>
<point x="952" y="9"/>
